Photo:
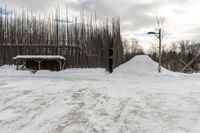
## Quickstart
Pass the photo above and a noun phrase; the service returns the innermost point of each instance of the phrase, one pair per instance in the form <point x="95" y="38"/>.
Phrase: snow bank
<point x="11" y="71"/>
<point x="75" y="72"/>
<point x="141" y="65"/>
<point x="72" y="72"/>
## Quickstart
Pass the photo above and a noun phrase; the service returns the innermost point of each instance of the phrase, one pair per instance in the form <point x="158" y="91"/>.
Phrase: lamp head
<point x="151" y="33"/>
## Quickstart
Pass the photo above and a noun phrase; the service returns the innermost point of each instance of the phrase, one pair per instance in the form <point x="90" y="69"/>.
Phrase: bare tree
<point x="159" y="31"/>
<point x="132" y="48"/>
<point x="126" y="46"/>
<point x="174" y="47"/>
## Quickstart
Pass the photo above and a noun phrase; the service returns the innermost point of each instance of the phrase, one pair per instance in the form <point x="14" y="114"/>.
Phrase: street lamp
<point x="159" y="36"/>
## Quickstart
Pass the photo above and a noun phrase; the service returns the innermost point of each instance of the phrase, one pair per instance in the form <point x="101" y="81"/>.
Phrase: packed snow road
<point x="87" y="101"/>
<point x="111" y="105"/>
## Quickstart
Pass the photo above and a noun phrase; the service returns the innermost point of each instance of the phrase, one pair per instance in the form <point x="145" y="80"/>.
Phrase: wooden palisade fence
<point x="84" y="43"/>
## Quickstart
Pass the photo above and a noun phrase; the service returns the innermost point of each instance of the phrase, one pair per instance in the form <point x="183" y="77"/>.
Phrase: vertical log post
<point x="110" y="67"/>
<point x="60" y="65"/>
<point x="39" y="66"/>
<point x="39" y="63"/>
<point x="17" y="64"/>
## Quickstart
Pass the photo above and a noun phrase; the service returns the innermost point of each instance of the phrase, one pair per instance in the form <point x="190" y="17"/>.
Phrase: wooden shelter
<point x="40" y="62"/>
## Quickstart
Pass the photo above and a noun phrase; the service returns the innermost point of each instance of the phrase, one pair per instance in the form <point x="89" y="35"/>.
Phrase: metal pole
<point x="160" y="54"/>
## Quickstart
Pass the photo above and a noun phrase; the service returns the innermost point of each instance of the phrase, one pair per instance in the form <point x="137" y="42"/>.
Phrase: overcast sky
<point x="137" y="16"/>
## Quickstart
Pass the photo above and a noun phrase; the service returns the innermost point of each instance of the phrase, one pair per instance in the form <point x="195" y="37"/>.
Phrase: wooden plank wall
<point x="75" y="56"/>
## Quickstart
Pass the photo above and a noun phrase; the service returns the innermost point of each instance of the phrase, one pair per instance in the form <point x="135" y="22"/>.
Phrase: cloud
<point x="137" y="16"/>
<point x="38" y="5"/>
<point x="135" y="13"/>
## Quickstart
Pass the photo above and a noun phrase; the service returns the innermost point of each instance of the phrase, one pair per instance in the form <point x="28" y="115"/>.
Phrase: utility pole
<point x="160" y="54"/>
<point x="159" y="36"/>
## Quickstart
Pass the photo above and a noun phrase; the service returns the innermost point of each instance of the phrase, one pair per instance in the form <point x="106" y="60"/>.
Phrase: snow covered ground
<point x="134" y="99"/>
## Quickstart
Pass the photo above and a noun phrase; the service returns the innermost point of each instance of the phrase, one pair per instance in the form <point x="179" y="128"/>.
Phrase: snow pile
<point x="141" y="64"/>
